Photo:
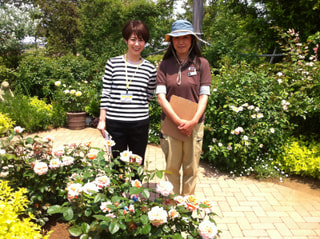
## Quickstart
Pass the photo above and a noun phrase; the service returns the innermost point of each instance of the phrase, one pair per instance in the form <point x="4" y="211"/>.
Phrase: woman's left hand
<point x="186" y="127"/>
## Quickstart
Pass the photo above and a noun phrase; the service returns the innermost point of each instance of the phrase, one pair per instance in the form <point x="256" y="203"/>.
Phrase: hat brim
<point x="179" y="34"/>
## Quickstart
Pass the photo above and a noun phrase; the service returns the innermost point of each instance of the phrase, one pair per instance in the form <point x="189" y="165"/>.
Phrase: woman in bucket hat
<point x="184" y="73"/>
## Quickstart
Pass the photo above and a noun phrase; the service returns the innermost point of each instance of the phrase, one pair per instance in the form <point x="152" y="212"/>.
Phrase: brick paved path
<point x="246" y="208"/>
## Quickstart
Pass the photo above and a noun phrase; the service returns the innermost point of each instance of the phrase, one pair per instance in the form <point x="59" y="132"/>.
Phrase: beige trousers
<point x="185" y="155"/>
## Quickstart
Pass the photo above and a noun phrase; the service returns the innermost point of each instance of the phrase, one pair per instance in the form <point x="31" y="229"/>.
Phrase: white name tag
<point x="126" y="97"/>
<point x="192" y="71"/>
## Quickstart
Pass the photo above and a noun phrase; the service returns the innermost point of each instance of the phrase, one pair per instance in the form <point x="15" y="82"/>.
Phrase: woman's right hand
<point x="102" y="126"/>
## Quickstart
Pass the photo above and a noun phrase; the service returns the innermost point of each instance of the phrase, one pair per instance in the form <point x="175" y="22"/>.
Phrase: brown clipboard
<point x="185" y="109"/>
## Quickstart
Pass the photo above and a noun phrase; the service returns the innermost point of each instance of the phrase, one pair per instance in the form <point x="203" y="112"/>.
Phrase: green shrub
<point x="253" y="110"/>
<point x="246" y="124"/>
<point x="6" y="74"/>
<point x="301" y="157"/>
<point x="5" y="123"/>
<point x="300" y="78"/>
<point x="37" y="73"/>
<point x="13" y="205"/>
<point x="30" y="113"/>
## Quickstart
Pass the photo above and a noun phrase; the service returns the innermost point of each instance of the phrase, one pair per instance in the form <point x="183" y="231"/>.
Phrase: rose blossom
<point x="87" y="144"/>
<point x="73" y="144"/>
<point x="110" y="143"/>
<point x="131" y="208"/>
<point x="179" y="200"/>
<point x="111" y="215"/>
<point x="157" y="216"/>
<point x="74" y="190"/>
<point x="104" y="206"/>
<point x="207" y="229"/>
<point x="134" y="158"/>
<point x="210" y="205"/>
<point x="54" y="163"/>
<point x="92" y="155"/>
<point x="88" y="188"/>
<point x="136" y="183"/>
<point x="125" y="156"/>
<point x="40" y="168"/>
<point x="173" y="213"/>
<point x="67" y="160"/>
<point x="191" y="202"/>
<point x="49" y="138"/>
<point x="164" y="188"/>
<point x="102" y="181"/>
<point x="59" y="152"/>
<point x="18" y="129"/>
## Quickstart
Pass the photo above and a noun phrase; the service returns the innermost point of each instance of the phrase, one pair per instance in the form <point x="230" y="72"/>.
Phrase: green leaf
<point x="67" y="213"/>
<point x="75" y="231"/>
<point x="159" y="174"/>
<point x="114" y="227"/>
<point x="144" y="219"/>
<point x="166" y="228"/>
<point x="87" y="212"/>
<point x="135" y="190"/>
<point x="85" y="227"/>
<point x="84" y="236"/>
<point x="177" y="236"/>
<point x="140" y="170"/>
<point x="98" y="197"/>
<point x="54" y="209"/>
<point x="146" y="229"/>
<point x="104" y="225"/>
<point x="146" y="193"/>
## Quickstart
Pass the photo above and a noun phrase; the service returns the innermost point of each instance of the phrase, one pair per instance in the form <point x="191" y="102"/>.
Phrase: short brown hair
<point x="137" y="27"/>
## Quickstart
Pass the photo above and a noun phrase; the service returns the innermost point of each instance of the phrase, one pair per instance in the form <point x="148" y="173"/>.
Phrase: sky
<point x="178" y="7"/>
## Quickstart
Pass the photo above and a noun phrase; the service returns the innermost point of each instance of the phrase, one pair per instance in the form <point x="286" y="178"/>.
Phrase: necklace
<point x="127" y="81"/>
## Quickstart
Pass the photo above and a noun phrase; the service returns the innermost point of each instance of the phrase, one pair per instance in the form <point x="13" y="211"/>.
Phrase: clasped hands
<point x="186" y="127"/>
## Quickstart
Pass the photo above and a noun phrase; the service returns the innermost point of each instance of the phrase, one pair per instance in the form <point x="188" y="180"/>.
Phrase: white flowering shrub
<point x="252" y="110"/>
<point x="15" y="24"/>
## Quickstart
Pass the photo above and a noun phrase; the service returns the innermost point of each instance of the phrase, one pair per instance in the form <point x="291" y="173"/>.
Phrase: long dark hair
<point x="194" y="55"/>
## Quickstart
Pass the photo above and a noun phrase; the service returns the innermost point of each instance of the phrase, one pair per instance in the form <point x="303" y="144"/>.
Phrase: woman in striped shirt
<point x="128" y="87"/>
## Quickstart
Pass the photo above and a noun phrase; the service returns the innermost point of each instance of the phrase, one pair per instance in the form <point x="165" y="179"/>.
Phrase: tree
<point x="101" y="23"/>
<point x="246" y="27"/>
<point x="60" y="25"/>
<point x="16" y="22"/>
<point x="300" y="15"/>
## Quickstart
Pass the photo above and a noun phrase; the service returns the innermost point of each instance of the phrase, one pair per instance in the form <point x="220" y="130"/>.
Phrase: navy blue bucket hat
<point x="181" y="28"/>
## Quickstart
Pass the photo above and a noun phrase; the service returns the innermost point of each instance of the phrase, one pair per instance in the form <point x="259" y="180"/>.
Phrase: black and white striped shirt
<point x="142" y="83"/>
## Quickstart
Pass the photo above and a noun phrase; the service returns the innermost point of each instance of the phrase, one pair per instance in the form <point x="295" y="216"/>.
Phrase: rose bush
<point x="98" y="196"/>
<point x="33" y="163"/>
<point x="113" y="205"/>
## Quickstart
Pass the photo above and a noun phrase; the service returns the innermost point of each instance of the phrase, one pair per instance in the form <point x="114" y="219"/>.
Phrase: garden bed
<point x="307" y="185"/>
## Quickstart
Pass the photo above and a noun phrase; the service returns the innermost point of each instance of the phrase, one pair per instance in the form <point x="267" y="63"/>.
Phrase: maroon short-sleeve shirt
<point x="191" y="79"/>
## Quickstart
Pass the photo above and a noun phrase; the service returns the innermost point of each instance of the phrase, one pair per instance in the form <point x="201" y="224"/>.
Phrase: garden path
<point x="246" y="208"/>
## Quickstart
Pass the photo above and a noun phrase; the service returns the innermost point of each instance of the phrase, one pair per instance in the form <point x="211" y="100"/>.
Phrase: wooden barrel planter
<point x="76" y="120"/>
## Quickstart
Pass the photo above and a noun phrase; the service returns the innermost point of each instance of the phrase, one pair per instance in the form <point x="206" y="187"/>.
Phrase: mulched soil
<point x="58" y="228"/>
